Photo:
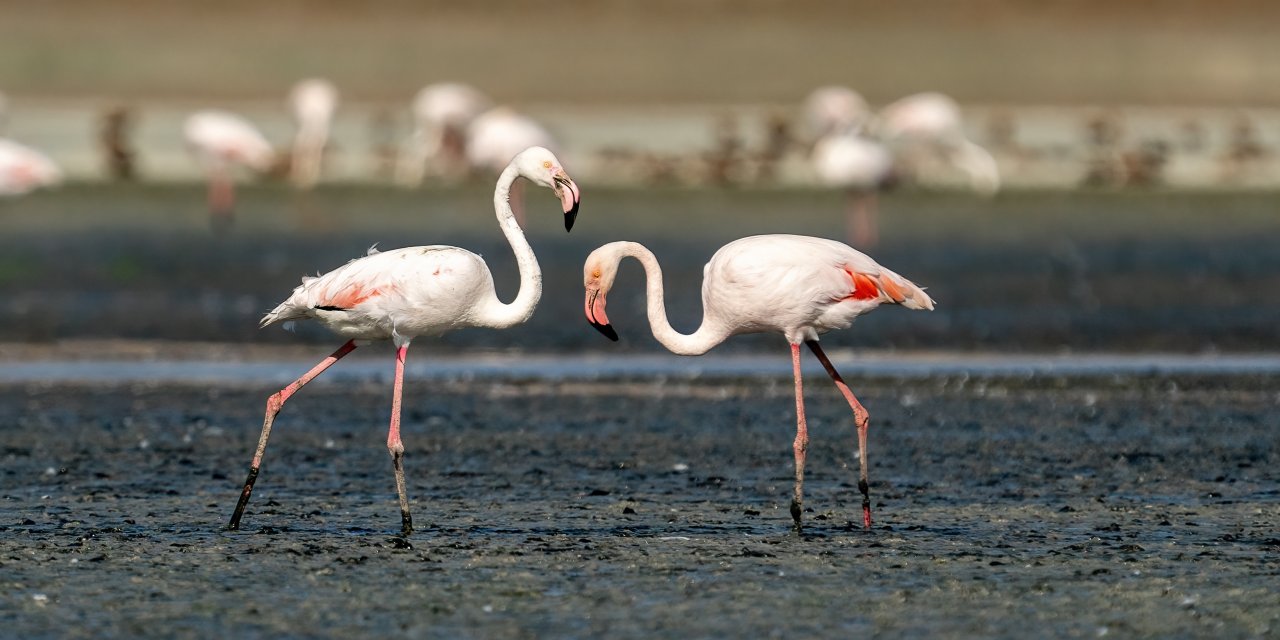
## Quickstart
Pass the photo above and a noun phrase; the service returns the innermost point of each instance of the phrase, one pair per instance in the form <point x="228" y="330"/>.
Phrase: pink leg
<point x="801" y="444"/>
<point x="395" y="446"/>
<point x="222" y="200"/>
<point x="274" y="404"/>
<point x="862" y="226"/>
<point x="862" y="419"/>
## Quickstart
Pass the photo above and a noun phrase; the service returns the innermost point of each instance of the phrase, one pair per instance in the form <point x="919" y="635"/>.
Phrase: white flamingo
<point x="860" y="166"/>
<point x="313" y="102"/>
<point x="417" y="291"/>
<point x="497" y="136"/>
<point x="23" y="169"/>
<point x="441" y="114"/>
<point x="798" y="286"/>
<point x="835" y="109"/>
<point x="220" y="141"/>
<point x="932" y="123"/>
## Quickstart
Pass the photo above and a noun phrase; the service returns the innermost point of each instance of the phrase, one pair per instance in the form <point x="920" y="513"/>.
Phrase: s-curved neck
<point x="699" y="342"/>
<point x="499" y="315"/>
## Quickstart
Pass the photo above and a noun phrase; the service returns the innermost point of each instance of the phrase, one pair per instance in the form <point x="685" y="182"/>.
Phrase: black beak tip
<point x="569" y="217"/>
<point x="607" y="330"/>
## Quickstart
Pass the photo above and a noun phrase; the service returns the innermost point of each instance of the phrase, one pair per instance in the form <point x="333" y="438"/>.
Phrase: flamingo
<point x="497" y="136"/>
<point x="799" y="286"/>
<point x="220" y="140"/>
<point x="860" y="166"/>
<point x="313" y="102"/>
<point x="932" y="122"/>
<point x="23" y="169"/>
<point x="405" y="293"/>
<point x="441" y="113"/>
<point x="835" y="109"/>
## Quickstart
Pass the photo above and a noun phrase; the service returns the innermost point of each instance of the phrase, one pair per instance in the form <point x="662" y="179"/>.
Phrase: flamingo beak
<point x="569" y="196"/>
<point x="596" y="315"/>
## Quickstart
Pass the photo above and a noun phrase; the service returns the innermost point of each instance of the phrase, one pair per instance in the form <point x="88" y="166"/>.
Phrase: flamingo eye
<point x="595" y="274"/>
<point x="546" y="164"/>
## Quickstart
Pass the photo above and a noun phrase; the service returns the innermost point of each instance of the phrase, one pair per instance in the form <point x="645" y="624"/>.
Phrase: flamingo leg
<point x="274" y="404"/>
<point x="395" y="446"/>
<point x="862" y="222"/>
<point x="860" y="417"/>
<point x="801" y="444"/>
<point x="222" y="199"/>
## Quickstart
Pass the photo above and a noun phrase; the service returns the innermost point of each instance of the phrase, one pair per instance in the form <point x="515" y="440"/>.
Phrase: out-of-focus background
<point x="1125" y="200"/>
<point x="1041" y="84"/>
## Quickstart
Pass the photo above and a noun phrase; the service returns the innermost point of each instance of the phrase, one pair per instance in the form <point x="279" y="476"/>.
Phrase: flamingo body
<point x="852" y="162"/>
<point x="441" y="114"/>
<point x="933" y="122"/>
<point x="220" y="139"/>
<point x="23" y="169"/>
<point x="449" y="104"/>
<point x="929" y="116"/>
<point x="405" y="293"/>
<point x="798" y="286"/>
<point x="860" y="166"/>
<point x="835" y="109"/>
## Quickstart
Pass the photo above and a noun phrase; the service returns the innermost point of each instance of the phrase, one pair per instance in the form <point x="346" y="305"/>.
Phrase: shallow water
<point x="492" y="367"/>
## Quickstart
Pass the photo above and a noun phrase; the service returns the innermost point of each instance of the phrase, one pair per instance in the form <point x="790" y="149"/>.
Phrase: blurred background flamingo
<point x="441" y="114"/>
<point x="313" y="102"/>
<point x="23" y="169"/>
<point x="495" y="137"/>
<point x="860" y="166"/>
<point x="834" y="109"/>
<point x="926" y="128"/>
<point x="220" y="141"/>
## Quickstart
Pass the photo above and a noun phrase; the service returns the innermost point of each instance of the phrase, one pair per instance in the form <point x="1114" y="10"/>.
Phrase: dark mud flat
<point x="1082" y="507"/>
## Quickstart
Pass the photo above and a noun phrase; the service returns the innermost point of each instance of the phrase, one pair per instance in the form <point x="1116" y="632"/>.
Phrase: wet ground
<point x="1060" y="506"/>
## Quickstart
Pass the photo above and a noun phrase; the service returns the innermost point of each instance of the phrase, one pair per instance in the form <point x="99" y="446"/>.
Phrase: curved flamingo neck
<point x="497" y="314"/>
<point x="708" y="335"/>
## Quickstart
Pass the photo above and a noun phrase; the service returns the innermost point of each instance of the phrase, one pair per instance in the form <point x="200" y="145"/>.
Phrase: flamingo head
<point x="543" y="168"/>
<point x="598" y="274"/>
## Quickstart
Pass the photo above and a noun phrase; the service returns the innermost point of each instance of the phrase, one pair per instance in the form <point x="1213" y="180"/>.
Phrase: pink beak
<point x="596" y="315"/>
<point x="570" y="197"/>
